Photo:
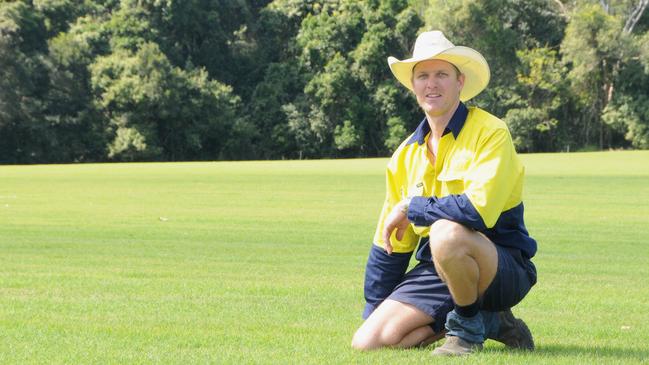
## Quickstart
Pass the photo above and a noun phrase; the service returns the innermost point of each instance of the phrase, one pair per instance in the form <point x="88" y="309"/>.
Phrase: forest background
<point x="169" y="80"/>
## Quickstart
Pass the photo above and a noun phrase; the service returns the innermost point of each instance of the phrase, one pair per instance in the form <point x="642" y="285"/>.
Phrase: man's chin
<point x="433" y="111"/>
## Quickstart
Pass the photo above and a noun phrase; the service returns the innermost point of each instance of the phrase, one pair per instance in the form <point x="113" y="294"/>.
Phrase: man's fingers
<point x="386" y="237"/>
<point x="400" y="233"/>
<point x="388" y="248"/>
<point x="396" y="220"/>
<point x="387" y="232"/>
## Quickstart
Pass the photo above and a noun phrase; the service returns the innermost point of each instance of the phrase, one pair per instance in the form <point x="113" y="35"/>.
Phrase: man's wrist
<point x="405" y="203"/>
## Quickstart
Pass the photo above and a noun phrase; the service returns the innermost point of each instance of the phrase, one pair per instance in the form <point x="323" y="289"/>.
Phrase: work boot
<point x="455" y="346"/>
<point x="513" y="332"/>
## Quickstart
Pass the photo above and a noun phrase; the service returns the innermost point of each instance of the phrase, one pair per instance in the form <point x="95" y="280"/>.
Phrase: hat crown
<point x="433" y="42"/>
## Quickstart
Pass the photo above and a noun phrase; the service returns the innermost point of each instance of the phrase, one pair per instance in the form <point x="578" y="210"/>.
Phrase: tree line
<point x="165" y="80"/>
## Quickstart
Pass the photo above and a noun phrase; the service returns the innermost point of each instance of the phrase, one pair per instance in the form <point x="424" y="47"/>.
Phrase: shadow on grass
<point x="579" y="351"/>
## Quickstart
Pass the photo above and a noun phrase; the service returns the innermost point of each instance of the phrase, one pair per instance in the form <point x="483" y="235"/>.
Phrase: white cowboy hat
<point x="434" y="45"/>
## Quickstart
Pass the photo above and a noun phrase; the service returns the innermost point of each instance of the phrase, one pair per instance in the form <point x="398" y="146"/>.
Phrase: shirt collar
<point x="454" y="126"/>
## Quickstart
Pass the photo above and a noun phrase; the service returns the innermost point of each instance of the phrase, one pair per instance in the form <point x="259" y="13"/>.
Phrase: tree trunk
<point x="635" y="15"/>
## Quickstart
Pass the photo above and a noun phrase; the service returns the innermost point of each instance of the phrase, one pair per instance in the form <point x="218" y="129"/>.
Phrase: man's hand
<point x="398" y="220"/>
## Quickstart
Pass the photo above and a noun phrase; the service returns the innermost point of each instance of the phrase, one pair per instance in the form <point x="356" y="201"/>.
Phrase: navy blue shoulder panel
<point x="420" y="133"/>
<point x="510" y="231"/>
<point x="457" y="121"/>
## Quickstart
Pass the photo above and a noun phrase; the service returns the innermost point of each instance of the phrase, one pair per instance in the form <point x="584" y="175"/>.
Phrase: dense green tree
<point x="331" y="92"/>
<point x="540" y="91"/>
<point x="78" y="129"/>
<point x="158" y="111"/>
<point x="59" y="15"/>
<point x="273" y="136"/>
<point x="271" y="109"/>
<point x="600" y="48"/>
<point x="205" y="33"/>
<point x="98" y="80"/>
<point x="23" y="83"/>
<point x="343" y="53"/>
<point x="628" y="112"/>
<point x="593" y="48"/>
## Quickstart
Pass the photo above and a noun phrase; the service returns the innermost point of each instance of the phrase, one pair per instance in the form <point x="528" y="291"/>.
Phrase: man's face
<point x="437" y="87"/>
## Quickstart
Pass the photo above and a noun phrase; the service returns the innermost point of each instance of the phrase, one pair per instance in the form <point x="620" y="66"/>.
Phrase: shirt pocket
<point x="451" y="181"/>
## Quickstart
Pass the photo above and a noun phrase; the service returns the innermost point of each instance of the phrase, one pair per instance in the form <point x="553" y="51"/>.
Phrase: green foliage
<point x="129" y="143"/>
<point x="79" y="128"/>
<point x="592" y="47"/>
<point x="527" y="124"/>
<point x="542" y="87"/>
<point x="396" y="133"/>
<point x="206" y="33"/>
<point x="643" y="45"/>
<point x="23" y="83"/>
<point x="130" y="28"/>
<point x="346" y="136"/>
<point x="60" y="14"/>
<point x="280" y="84"/>
<point x="344" y="51"/>
<point x="630" y="115"/>
<point x="595" y="48"/>
<point x="99" y="80"/>
<point x="308" y="128"/>
<point x="160" y="111"/>
<point x="336" y="29"/>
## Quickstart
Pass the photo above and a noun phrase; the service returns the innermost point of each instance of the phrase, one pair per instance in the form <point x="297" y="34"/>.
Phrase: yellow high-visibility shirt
<point x="477" y="180"/>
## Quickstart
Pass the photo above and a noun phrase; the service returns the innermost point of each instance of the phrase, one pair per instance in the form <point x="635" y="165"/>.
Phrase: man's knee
<point x="447" y="241"/>
<point x="369" y="339"/>
<point x="362" y="341"/>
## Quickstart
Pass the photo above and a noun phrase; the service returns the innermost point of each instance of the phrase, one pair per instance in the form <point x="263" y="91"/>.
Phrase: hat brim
<point x="469" y="61"/>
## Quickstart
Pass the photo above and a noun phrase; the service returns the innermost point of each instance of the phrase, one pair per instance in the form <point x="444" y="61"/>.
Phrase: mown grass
<point x="262" y="262"/>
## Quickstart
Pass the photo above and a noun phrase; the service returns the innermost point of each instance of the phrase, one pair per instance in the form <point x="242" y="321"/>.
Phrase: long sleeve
<point x="382" y="274"/>
<point x="396" y="183"/>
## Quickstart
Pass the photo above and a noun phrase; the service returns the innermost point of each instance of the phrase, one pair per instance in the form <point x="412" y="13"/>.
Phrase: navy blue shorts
<point x="422" y="287"/>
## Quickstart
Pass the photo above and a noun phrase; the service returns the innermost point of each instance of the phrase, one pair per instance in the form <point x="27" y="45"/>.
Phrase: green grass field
<point x="262" y="262"/>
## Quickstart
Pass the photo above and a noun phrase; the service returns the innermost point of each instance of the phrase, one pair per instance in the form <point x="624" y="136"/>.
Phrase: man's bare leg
<point x="395" y="324"/>
<point x="467" y="261"/>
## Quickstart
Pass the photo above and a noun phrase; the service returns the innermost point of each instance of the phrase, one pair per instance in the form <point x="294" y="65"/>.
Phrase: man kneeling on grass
<point x="454" y="186"/>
